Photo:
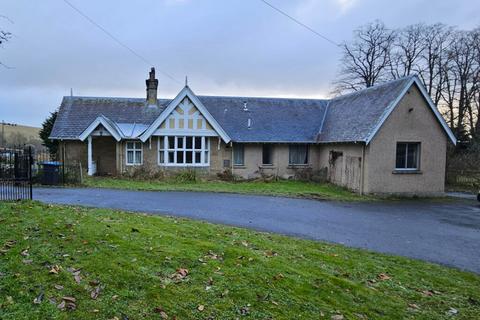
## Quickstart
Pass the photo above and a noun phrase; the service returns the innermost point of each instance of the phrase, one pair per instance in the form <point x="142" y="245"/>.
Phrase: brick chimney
<point x="152" y="86"/>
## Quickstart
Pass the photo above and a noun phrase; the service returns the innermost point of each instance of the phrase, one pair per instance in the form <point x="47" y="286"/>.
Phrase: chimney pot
<point x="152" y="88"/>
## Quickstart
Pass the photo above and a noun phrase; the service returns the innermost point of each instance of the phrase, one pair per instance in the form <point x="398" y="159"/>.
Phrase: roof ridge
<point x="380" y="85"/>
<point x="261" y="98"/>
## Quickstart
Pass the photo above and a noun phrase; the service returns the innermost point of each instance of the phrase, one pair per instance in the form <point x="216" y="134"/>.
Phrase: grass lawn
<point x="61" y="262"/>
<point x="286" y="188"/>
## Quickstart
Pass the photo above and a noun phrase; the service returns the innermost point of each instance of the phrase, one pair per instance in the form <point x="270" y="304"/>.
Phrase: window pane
<point x="179" y="156"/>
<point x="206" y="146"/>
<point x="198" y="157"/>
<point x="189" y="157"/>
<point x="171" y="157"/>
<point x="171" y="142"/>
<point x="129" y="145"/>
<point x="198" y="143"/>
<point x="189" y="142"/>
<point x="180" y="142"/>
<point x="266" y="154"/>
<point x="206" y="157"/>
<point x="238" y="154"/>
<point x="129" y="157"/>
<point x="138" y="157"/>
<point x="161" y="157"/>
<point x="401" y="162"/>
<point x="412" y="156"/>
<point x="161" y="143"/>
<point x="138" y="145"/>
<point x="298" y="154"/>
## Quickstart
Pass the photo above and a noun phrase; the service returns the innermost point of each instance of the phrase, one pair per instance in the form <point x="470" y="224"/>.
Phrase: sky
<point x="225" y="47"/>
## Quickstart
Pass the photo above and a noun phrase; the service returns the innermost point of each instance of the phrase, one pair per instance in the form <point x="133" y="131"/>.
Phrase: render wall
<point x="253" y="167"/>
<point x="411" y="121"/>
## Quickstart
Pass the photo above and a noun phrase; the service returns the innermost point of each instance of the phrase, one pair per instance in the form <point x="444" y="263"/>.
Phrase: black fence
<point x="15" y="173"/>
<point x="48" y="169"/>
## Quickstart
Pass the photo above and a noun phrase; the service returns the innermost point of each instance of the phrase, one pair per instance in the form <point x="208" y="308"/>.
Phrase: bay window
<point x="183" y="151"/>
<point x="134" y="151"/>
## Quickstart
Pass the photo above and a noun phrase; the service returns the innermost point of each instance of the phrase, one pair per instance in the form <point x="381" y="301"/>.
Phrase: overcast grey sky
<point x="226" y="47"/>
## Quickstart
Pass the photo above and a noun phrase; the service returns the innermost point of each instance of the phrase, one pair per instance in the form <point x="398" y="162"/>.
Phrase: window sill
<point x="400" y="171"/>
<point x="267" y="166"/>
<point x="296" y="166"/>
<point x="239" y="166"/>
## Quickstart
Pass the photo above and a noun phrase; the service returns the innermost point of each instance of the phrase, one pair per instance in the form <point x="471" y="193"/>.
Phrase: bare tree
<point x="366" y="59"/>
<point x="4" y="36"/>
<point x="408" y="48"/>
<point x="465" y="69"/>
<point x="436" y="40"/>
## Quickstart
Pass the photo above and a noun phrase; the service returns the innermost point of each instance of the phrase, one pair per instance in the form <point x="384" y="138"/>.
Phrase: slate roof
<point x="347" y="118"/>
<point x="353" y="117"/>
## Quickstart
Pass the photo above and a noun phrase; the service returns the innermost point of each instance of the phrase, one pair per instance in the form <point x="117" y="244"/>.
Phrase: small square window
<point x="408" y="156"/>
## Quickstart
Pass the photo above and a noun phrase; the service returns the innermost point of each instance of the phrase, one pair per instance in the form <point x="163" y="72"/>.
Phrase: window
<point x="238" y="155"/>
<point x="183" y="151"/>
<point x="298" y="154"/>
<point x="134" y="153"/>
<point x="408" y="156"/>
<point x="267" y="154"/>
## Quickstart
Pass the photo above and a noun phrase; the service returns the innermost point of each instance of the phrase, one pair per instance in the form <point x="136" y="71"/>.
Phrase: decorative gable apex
<point x="185" y="114"/>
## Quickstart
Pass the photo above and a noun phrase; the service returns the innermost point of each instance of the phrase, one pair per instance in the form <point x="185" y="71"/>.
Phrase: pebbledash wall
<point x="359" y="167"/>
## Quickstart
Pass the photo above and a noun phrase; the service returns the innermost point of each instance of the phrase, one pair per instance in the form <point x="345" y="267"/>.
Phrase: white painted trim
<point x="186" y="92"/>
<point x="90" y="171"/>
<point x="203" y="149"/>
<point x="182" y="132"/>
<point x="103" y="121"/>
<point x="430" y="103"/>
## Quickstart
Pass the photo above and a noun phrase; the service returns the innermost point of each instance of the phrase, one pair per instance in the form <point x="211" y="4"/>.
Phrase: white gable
<point x="186" y="119"/>
<point x="185" y="115"/>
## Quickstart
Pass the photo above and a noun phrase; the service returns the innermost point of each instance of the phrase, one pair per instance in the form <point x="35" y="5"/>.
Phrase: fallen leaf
<point x="427" y="293"/>
<point x="38" y="299"/>
<point x="270" y="253"/>
<point x="201" y="307"/>
<point x="179" y="274"/>
<point x="337" y="317"/>
<point x="77" y="278"/>
<point x="69" y="299"/>
<point x="245" y="243"/>
<point x="27" y="261"/>
<point x="25" y="253"/>
<point x="244" y="310"/>
<point x="383" y="276"/>
<point x="58" y="287"/>
<point x="55" y="269"/>
<point x="452" y="311"/>
<point x="95" y="292"/>
<point x="162" y="313"/>
<point x="413" y="306"/>
<point x="115" y="297"/>
<point x="278" y="276"/>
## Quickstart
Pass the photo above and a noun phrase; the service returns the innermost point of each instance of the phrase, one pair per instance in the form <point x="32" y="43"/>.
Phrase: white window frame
<point x="418" y="155"/>
<point x="204" y="151"/>
<point x="134" y="150"/>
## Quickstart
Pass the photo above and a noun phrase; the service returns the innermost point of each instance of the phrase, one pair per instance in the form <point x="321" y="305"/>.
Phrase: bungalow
<point x="389" y="138"/>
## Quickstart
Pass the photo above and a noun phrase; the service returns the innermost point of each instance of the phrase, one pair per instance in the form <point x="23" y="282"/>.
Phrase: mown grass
<point x="232" y="272"/>
<point x="287" y="188"/>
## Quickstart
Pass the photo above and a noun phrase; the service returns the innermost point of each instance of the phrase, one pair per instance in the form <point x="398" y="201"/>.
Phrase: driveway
<point x="445" y="233"/>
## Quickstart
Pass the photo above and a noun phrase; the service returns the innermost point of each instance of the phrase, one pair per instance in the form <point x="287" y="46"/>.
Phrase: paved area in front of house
<point x="446" y="233"/>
